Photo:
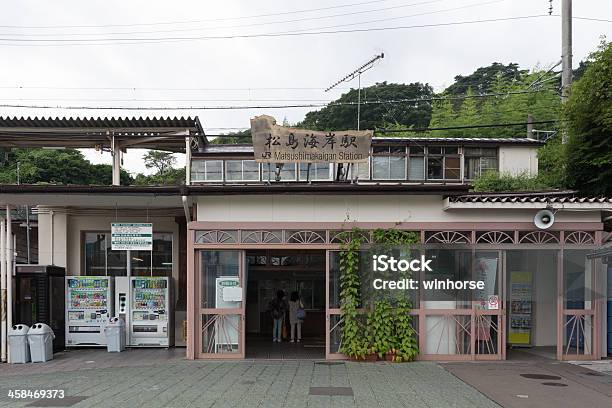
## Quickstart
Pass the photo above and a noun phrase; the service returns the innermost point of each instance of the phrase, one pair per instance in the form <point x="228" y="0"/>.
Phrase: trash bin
<point x="19" y="350"/>
<point x="115" y="335"/>
<point x="40" y="338"/>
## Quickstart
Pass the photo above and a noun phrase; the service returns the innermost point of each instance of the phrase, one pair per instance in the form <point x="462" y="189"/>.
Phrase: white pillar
<point x="116" y="152"/>
<point x="3" y="336"/>
<point x="187" y="159"/>
<point x="9" y="272"/>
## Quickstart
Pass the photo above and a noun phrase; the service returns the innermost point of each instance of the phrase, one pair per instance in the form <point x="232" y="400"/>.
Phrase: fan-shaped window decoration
<point x="607" y="238"/>
<point x="305" y="237"/>
<point x="216" y="237"/>
<point x="494" y="237"/>
<point x="261" y="237"/>
<point x="448" y="237"/>
<point x="538" y="237"/>
<point x="580" y="238"/>
<point x="337" y="237"/>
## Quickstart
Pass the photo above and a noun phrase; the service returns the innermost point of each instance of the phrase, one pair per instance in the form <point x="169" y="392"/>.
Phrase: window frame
<point x="107" y="234"/>
<point x="480" y="156"/>
<point x="242" y="179"/>
<point x="205" y="172"/>
<point x="388" y="154"/>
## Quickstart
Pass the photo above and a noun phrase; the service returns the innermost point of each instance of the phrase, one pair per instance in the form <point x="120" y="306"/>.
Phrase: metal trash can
<point x="19" y="350"/>
<point x="115" y="335"/>
<point x="40" y="338"/>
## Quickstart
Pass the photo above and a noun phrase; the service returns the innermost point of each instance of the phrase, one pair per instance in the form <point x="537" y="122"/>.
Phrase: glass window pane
<point x="452" y="168"/>
<point x="361" y="170"/>
<point x="95" y="254"/>
<point x="304" y="171"/>
<point x="322" y="171"/>
<point x="214" y="170"/>
<point x="471" y="151"/>
<point x="250" y="170"/>
<point x="417" y="168"/>
<point x="140" y="263"/>
<point x="216" y="264"/>
<point x="162" y="254"/>
<point x="472" y="167"/>
<point x="578" y="279"/>
<point x="434" y="150"/>
<point x="397" y="168"/>
<point x="233" y="170"/>
<point x="398" y="149"/>
<point x="451" y="150"/>
<point x="490" y="152"/>
<point x="417" y="150"/>
<point x="380" y="167"/>
<point x="434" y="168"/>
<point x="488" y="163"/>
<point x="198" y="168"/>
<point x="288" y="172"/>
<point x="380" y="149"/>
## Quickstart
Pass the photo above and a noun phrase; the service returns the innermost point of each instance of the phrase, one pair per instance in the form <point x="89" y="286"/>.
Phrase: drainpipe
<point x="186" y="208"/>
<point x="3" y="288"/>
<point x="9" y="273"/>
<point x="52" y="237"/>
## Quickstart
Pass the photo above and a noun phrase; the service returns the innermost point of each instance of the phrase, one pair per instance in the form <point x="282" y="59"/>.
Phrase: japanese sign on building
<point x="278" y="144"/>
<point x="127" y="236"/>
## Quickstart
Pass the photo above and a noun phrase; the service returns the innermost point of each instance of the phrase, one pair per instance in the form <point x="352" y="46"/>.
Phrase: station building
<point x="271" y="227"/>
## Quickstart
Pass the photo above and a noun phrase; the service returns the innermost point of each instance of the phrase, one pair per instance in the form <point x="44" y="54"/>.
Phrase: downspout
<point x="186" y="208"/>
<point x="3" y="289"/>
<point x="52" y="237"/>
<point x="9" y="273"/>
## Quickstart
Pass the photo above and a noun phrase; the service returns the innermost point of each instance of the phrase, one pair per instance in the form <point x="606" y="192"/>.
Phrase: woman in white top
<point x="295" y="304"/>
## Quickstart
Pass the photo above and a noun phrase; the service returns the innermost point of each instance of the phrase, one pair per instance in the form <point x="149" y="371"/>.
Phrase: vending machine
<point x="88" y="307"/>
<point x="144" y="303"/>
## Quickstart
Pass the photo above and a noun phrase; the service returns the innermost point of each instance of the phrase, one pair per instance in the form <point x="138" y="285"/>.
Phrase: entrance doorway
<point x="531" y="282"/>
<point x="290" y="271"/>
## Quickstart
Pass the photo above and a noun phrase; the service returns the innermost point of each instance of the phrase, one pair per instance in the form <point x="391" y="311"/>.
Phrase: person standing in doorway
<point x="296" y="309"/>
<point x="278" y="308"/>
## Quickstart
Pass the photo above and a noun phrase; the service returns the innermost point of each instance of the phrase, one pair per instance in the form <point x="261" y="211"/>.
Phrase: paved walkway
<point x="252" y="383"/>
<point x="537" y="382"/>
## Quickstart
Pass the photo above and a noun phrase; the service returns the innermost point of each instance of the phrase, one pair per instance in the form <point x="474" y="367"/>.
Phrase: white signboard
<point x="129" y="236"/>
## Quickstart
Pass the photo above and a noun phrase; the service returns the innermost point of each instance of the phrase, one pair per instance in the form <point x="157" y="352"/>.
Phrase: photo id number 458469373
<point x="38" y="394"/>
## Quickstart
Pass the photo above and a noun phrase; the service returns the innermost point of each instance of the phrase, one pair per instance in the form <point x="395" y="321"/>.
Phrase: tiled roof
<point x="543" y="197"/>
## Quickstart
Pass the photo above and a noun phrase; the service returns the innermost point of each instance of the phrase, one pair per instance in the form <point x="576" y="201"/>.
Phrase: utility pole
<point x="566" y="54"/>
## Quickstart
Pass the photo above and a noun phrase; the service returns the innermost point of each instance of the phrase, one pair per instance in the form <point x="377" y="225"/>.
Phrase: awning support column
<point x="116" y="152"/>
<point x="3" y="289"/>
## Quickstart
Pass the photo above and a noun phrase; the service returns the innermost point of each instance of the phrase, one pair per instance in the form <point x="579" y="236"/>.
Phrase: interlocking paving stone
<point x="173" y="382"/>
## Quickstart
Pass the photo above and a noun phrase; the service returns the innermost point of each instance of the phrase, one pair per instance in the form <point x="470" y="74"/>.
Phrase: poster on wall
<point x="521" y="291"/>
<point x="129" y="236"/>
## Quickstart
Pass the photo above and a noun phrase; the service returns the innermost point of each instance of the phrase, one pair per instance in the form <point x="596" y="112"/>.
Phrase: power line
<point x="130" y="88"/>
<point x="150" y="108"/>
<point x="244" y="25"/>
<point x="198" y="21"/>
<point x="127" y="41"/>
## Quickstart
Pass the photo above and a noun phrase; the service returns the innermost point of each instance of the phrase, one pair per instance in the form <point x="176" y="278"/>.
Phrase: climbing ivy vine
<point x="388" y="323"/>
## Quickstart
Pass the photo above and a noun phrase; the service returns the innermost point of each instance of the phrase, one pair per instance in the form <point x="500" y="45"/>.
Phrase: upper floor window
<point x="241" y="170"/>
<point x="416" y="166"/>
<point x="443" y="163"/>
<point x="360" y="170"/>
<point x="478" y="161"/>
<point x="317" y="171"/>
<point x="287" y="172"/>
<point x="389" y="162"/>
<point x="207" y="170"/>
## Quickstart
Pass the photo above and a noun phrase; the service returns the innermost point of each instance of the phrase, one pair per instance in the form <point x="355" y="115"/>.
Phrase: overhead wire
<point x="127" y="41"/>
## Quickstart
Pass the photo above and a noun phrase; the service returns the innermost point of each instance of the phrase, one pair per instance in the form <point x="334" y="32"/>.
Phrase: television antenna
<point x="357" y="73"/>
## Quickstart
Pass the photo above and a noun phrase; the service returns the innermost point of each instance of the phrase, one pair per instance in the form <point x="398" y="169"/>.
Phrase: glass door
<point x="577" y="338"/>
<point x="221" y="287"/>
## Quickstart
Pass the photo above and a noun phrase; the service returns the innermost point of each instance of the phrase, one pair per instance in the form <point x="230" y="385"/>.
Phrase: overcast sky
<point x="233" y="71"/>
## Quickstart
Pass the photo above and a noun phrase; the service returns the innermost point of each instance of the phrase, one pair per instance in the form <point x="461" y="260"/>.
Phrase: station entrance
<point x="300" y="272"/>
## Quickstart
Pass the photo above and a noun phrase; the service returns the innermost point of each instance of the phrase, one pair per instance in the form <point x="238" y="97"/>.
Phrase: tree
<point x="483" y="78"/>
<point x="588" y="120"/>
<point x="165" y="173"/>
<point x="161" y="161"/>
<point x="55" y="166"/>
<point x="374" y="115"/>
<point x="243" y="136"/>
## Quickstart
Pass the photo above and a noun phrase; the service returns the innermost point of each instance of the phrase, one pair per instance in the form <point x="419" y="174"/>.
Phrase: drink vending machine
<point x="144" y="303"/>
<point x="88" y="307"/>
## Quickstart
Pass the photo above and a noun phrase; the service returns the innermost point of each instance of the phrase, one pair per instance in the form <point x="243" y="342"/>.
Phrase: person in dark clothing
<point x="278" y="308"/>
